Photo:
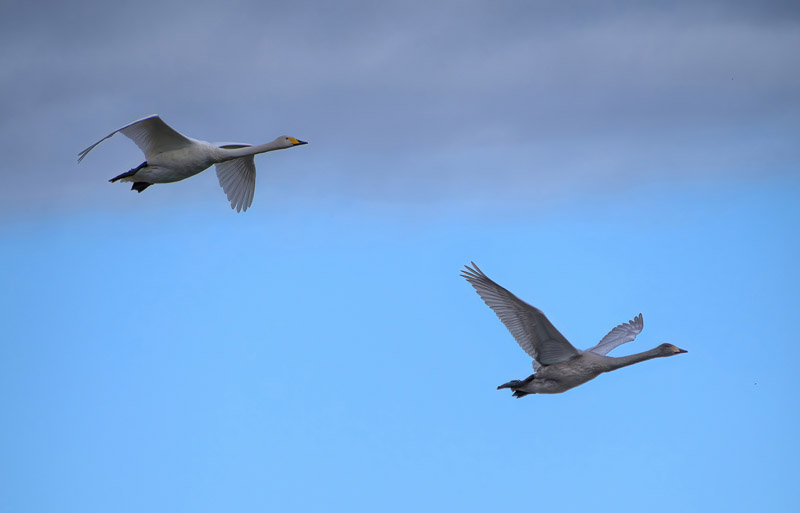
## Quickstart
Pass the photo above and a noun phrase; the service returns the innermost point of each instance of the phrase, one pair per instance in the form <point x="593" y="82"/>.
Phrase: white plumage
<point x="171" y="156"/>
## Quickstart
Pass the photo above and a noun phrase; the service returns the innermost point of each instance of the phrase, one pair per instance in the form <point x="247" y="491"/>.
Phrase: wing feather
<point x="622" y="334"/>
<point x="238" y="179"/>
<point x="529" y="326"/>
<point x="150" y="134"/>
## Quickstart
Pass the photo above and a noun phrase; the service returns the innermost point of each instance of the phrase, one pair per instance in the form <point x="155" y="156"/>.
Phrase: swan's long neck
<point x="624" y="361"/>
<point x="252" y="150"/>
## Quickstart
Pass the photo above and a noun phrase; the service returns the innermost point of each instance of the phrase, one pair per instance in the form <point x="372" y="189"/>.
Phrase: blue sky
<point x="320" y="352"/>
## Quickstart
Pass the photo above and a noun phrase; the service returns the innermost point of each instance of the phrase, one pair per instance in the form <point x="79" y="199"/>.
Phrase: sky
<point x="320" y="351"/>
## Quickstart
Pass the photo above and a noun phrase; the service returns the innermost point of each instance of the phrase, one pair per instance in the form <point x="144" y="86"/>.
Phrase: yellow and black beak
<point x="296" y="142"/>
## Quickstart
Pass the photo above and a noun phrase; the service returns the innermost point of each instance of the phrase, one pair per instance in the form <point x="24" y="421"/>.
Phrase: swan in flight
<point x="171" y="157"/>
<point x="557" y="365"/>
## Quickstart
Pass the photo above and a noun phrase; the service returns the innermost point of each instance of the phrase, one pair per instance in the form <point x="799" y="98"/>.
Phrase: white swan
<point x="171" y="157"/>
<point x="557" y="364"/>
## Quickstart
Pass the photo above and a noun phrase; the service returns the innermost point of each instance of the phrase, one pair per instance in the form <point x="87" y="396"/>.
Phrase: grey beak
<point x="682" y="351"/>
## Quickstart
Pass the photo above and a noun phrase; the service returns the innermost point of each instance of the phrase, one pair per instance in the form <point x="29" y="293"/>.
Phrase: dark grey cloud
<point x="411" y="102"/>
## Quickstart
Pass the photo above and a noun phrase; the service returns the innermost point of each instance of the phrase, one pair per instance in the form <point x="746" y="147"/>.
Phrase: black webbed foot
<point x="140" y="186"/>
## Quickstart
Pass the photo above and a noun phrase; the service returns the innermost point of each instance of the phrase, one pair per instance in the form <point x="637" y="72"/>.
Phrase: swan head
<point x="285" y="141"/>
<point x="670" y="350"/>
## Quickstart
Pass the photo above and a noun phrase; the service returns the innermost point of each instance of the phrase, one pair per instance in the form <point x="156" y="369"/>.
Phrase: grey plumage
<point x="557" y="364"/>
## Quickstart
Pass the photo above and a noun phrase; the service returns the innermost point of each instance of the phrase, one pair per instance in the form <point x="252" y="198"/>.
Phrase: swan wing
<point x="238" y="179"/>
<point x="150" y="134"/>
<point x="529" y="326"/>
<point x="622" y="334"/>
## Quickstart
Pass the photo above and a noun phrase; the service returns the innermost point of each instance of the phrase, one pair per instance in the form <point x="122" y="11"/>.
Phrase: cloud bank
<point x="420" y="102"/>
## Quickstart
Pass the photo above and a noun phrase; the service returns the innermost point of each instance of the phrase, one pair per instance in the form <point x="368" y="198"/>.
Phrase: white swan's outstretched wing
<point x="150" y="134"/>
<point x="238" y="179"/>
<point x="529" y="326"/>
<point x="624" y="333"/>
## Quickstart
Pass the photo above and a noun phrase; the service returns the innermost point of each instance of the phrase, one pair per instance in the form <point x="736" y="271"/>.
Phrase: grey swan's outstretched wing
<point x="150" y="134"/>
<point x="622" y="334"/>
<point x="529" y="326"/>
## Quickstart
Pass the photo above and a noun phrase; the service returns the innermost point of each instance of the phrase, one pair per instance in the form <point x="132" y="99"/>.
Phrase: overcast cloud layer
<point x="487" y="101"/>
